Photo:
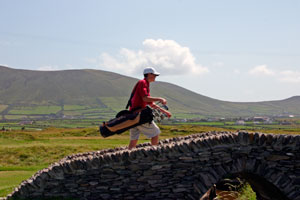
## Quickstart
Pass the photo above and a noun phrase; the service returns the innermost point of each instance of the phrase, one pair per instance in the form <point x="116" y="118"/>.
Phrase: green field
<point x="23" y="153"/>
<point x="286" y="124"/>
<point x="3" y="107"/>
<point x="74" y="107"/>
<point x="35" y="110"/>
<point x="281" y="124"/>
<point x="55" y="112"/>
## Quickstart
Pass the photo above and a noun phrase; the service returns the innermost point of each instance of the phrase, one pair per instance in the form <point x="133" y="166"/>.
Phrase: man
<point x="141" y="98"/>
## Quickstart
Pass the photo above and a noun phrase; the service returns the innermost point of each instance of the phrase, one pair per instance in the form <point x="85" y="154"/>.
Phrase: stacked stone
<point x="102" y="152"/>
<point x="179" y="168"/>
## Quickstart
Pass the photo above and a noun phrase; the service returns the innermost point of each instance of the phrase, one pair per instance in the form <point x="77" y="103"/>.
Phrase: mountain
<point x="93" y="92"/>
<point x="59" y="87"/>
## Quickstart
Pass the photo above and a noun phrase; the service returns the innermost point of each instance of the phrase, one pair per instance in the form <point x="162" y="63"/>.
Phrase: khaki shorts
<point x="150" y="130"/>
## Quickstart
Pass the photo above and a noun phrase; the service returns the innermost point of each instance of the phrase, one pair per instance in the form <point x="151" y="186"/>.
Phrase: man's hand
<point x="165" y="112"/>
<point x="163" y="101"/>
<point x="168" y="114"/>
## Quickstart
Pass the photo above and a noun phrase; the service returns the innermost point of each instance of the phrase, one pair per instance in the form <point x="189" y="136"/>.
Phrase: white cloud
<point x="167" y="56"/>
<point x="218" y="64"/>
<point x="290" y="76"/>
<point x="261" y="70"/>
<point x="53" y="68"/>
<point x="248" y="92"/>
<point x="48" y="68"/>
<point x="287" y="76"/>
<point x="236" y="71"/>
<point x="6" y="43"/>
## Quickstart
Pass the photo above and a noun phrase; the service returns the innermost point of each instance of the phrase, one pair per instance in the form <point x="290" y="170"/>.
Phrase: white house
<point x="240" y="122"/>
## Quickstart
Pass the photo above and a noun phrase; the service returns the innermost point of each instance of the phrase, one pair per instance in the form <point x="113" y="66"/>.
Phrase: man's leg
<point x="134" y="137"/>
<point x="151" y="131"/>
<point x="154" y="140"/>
<point x="132" y="144"/>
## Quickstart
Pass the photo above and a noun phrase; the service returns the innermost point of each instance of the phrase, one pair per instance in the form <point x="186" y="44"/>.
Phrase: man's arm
<point x="150" y="99"/>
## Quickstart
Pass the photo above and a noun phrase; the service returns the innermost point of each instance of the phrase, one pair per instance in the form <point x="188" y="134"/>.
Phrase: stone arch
<point x="179" y="168"/>
<point x="268" y="184"/>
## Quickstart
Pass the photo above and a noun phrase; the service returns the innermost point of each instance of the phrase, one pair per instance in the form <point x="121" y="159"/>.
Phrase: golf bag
<point x="125" y="120"/>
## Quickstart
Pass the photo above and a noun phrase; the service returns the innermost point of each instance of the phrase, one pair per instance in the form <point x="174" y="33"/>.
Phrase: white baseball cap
<point x="151" y="70"/>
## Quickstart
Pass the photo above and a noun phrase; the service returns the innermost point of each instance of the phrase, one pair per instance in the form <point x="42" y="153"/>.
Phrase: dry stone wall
<point x="179" y="168"/>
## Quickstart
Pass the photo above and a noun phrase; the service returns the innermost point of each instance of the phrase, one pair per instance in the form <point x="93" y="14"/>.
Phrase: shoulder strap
<point x="131" y="96"/>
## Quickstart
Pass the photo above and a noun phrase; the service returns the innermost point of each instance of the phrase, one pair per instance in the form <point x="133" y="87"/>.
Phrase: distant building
<point x="25" y="123"/>
<point x="240" y="122"/>
<point x="264" y="120"/>
<point x="285" y="123"/>
<point x="268" y="121"/>
<point x="259" y="119"/>
<point x="68" y="117"/>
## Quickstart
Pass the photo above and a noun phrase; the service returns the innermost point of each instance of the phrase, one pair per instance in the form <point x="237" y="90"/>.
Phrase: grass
<point x="74" y="107"/>
<point x="10" y="178"/>
<point x="3" y="107"/>
<point x="12" y="117"/>
<point x="13" y="175"/>
<point x="44" y="124"/>
<point x="240" y="192"/>
<point x="294" y="126"/>
<point x="247" y="193"/>
<point x="114" y="102"/>
<point x="70" y="111"/>
<point x="35" y="110"/>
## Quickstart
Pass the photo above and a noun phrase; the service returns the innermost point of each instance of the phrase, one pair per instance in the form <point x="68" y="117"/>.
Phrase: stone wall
<point x="179" y="168"/>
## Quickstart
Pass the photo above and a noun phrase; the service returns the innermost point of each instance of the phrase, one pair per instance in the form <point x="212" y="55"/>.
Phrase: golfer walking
<point x="140" y="99"/>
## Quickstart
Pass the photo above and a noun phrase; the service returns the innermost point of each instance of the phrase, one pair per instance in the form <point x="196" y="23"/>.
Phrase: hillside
<point x="95" y="93"/>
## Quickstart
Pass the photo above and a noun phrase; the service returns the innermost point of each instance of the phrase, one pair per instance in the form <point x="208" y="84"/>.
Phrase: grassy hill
<point x="94" y="93"/>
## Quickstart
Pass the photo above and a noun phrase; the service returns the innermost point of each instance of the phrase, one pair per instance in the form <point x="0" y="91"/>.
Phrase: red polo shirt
<point x="142" y="90"/>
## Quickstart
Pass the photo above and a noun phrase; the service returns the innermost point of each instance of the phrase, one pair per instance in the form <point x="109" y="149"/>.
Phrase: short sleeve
<point x="142" y="89"/>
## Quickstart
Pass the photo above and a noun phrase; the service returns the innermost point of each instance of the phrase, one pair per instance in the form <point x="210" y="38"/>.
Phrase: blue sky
<point x="229" y="50"/>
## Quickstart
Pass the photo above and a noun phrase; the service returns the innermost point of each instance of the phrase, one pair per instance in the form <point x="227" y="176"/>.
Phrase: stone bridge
<point x="179" y="168"/>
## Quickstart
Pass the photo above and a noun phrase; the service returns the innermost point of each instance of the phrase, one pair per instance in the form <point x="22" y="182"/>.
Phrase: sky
<point x="231" y="50"/>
